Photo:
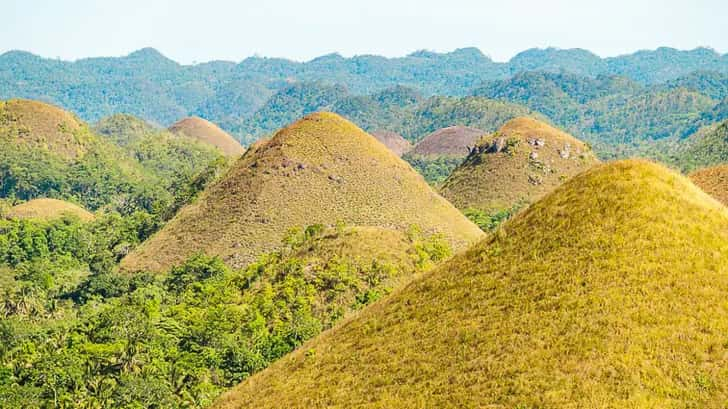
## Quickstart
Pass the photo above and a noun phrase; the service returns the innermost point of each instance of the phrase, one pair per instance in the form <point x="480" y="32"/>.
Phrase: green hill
<point x="321" y="169"/>
<point x="706" y="147"/>
<point x="48" y="152"/>
<point x="609" y="292"/>
<point x="517" y="165"/>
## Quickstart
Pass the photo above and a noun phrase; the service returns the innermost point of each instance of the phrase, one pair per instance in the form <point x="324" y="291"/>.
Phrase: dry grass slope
<point x="520" y="163"/>
<point x="452" y="141"/>
<point x="206" y="131"/>
<point x="394" y="141"/>
<point x="610" y="292"/>
<point x="321" y="169"/>
<point x="714" y="181"/>
<point x="40" y="125"/>
<point x="48" y="209"/>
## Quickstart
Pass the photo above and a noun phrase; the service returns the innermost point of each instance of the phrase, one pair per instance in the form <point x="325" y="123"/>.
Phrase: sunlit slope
<point x="524" y="160"/>
<point x="321" y="169"/>
<point x="609" y="292"/>
<point x="207" y="132"/>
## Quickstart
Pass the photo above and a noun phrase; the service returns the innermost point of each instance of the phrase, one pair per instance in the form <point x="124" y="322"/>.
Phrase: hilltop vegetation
<point x="515" y="166"/>
<point x="608" y="292"/>
<point x="299" y="177"/>
<point x="707" y="147"/>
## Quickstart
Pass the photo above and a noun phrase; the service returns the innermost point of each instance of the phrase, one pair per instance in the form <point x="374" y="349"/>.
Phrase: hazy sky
<point x="203" y="30"/>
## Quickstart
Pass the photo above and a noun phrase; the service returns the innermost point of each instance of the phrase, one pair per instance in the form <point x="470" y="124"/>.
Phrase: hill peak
<point x="45" y="209"/>
<point x="518" y="164"/>
<point x="42" y="125"/>
<point x="621" y="272"/>
<point x="319" y="170"/>
<point x="207" y="132"/>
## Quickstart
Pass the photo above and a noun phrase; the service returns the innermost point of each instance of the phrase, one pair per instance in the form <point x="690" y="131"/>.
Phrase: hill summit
<point x="609" y="292"/>
<point x="205" y="131"/>
<point x="319" y="170"/>
<point x="394" y="141"/>
<point x="451" y="141"/>
<point x="37" y="125"/>
<point x="48" y="209"/>
<point x="524" y="160"/>
<point x="714" y="181"/>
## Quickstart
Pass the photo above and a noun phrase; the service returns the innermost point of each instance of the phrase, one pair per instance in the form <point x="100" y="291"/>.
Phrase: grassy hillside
<point x="714" y="181"/>
<point x="209" y="133"/>
<point x="517" y="165"/>
<point x="321" y="169"/>
<point x="48" y="209"/>
<point x="607" y="293"/>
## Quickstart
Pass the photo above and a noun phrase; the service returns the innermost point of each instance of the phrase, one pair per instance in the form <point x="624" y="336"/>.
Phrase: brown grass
<point x="452" y="141"/>
<point x="206" y="131"/>
<point x="321" y="169"/>
<point x="394" y="141"/>
<point x="608" y="293"/>
<point x="714" y="181"/>
<point x="40" y="125"/>
<point x="48" y="209"/>
<point x="523" y="172"/>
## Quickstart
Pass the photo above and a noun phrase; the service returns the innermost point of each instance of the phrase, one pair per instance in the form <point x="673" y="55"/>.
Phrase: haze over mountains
<point x="157" y="89"/>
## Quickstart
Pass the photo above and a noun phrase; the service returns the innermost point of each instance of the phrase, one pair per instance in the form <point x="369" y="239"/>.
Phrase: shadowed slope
<point x="206" y="131"/>
<point x="714" y="181"/>
<point x="321" y="169"/>
<point x="521" y="162"/>
<point x="609" y="292"/>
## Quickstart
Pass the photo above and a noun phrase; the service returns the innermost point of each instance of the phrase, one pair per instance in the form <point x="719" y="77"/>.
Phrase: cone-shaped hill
<point x="452" y="141"/>
<point x="713" y="181"/>
<point x="48" y="209"/>
<point x="609" y="292"/>
<point x="394" y="141"/>
<point x="37" y="125"/>
<point x="206" y="131"/>
<point x="321" y="169"/>
<point x="524" y="160"/>
<point x="124" y="129"/>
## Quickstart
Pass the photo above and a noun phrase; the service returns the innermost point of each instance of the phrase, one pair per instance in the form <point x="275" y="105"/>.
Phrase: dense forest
<point x="258" y="95"/>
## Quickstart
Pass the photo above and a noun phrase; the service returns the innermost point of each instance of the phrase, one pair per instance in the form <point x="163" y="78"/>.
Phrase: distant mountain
<point x="208" y="133"/>
<point x="148" y="85"/>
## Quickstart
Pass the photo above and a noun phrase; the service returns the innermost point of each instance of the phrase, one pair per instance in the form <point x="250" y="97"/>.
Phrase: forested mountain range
<point x="147" y="84"/>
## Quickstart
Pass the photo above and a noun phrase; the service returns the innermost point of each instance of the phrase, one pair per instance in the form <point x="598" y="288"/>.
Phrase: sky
<point x="202" y="30"/>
